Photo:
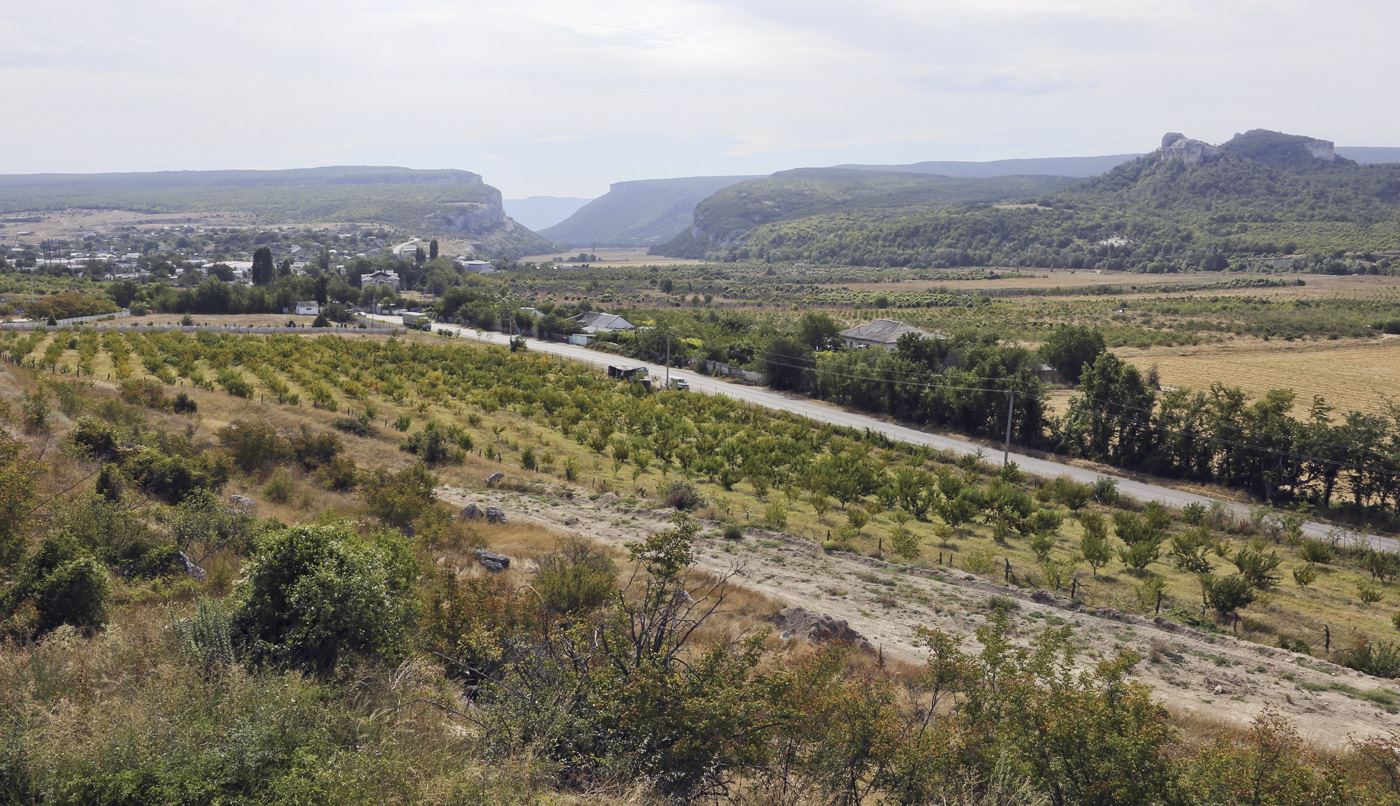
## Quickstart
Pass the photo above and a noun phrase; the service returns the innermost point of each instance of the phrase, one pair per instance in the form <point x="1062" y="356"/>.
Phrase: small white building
<point x="308" y="308"/>
<point x="478" y="266"/>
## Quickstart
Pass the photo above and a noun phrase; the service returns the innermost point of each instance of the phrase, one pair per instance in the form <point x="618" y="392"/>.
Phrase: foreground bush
<point x="316" y="595"/>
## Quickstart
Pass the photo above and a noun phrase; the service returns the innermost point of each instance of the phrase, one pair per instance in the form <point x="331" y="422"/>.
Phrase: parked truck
<point x="632" y="374"/>
<point x="418" y="321"/>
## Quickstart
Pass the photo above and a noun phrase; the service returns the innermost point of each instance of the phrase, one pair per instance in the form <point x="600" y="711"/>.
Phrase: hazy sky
<point x="563" y="97"/>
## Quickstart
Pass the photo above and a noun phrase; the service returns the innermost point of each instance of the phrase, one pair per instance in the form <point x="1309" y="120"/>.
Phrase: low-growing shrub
<point x="578" y="575"/>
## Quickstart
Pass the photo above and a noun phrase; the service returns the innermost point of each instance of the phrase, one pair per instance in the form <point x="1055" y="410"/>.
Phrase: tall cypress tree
<point x="262" y="265"/>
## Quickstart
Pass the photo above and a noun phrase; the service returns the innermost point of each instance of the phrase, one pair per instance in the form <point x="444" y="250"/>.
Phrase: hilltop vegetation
<point x="1263" y="195"/>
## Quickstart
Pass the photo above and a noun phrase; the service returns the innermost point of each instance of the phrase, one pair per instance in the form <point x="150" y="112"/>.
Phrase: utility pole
<point x="1010" y="408"/>
<point x="668" y="360"/>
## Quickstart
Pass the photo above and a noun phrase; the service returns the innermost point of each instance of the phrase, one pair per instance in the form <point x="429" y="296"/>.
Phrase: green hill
<point x="1262" y="194"/>
<point x="637" y="213"/>
<point x="808" y="194"/>
<point x="417" y="201"/>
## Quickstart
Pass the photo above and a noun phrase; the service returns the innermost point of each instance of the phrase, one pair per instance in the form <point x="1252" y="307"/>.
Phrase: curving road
<point x="768" y="398"/>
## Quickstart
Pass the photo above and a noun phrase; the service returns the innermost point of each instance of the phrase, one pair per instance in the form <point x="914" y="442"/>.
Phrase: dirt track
<point x="1218" y="678"/>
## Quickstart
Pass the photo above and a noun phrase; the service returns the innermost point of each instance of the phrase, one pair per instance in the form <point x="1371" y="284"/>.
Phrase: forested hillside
<point x="1260" y="195"/>
<point x="866" y="196"/>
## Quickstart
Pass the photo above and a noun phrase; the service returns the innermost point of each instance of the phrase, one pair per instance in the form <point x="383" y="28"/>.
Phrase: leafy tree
<point x="787" y="364"/>
<point x="433" y="249"/>
<point x="1068" y="349"/>
<point x="1109" y="421"/>
<point x="1094" y="545"/>
<point x="1228" y="594"/>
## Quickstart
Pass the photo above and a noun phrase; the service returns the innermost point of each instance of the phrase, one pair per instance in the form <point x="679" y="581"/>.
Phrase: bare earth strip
<point x="1217" y="679"/>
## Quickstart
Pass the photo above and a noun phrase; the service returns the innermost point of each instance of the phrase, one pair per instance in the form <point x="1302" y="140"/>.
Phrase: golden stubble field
<point x="1351" y="375"/>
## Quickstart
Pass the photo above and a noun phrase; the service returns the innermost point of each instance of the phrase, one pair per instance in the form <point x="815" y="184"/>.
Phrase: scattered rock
<point x="571" y="521"/>
<point x="820" y="627"/>
<point x="493" y="562"/>
<point x="608" y="499"/>
<point x="471" y="512"/>
<point x="494" y="479"/>
<point x="1043" y="596"/>
<point x="495" y="515"/>
<point x="189" y="566"/>
<point x="242" y="503"/>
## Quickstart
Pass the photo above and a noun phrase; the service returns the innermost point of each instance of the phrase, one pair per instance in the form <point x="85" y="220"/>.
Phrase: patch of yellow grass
<point x="1351" y="376"/>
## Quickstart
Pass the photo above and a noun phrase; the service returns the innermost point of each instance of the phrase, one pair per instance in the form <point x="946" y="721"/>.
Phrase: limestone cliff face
<point x="1324" y="150"/>
<point x="1189" y="151"/>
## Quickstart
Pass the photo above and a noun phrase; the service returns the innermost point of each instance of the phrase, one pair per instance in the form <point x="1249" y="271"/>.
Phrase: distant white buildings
<point x="478" y="266"/>
<point x="308" y="308"/>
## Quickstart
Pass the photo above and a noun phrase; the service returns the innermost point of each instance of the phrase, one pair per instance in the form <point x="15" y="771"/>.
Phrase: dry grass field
<point x="617" y="256"/>
<point x="1351" y="375"/>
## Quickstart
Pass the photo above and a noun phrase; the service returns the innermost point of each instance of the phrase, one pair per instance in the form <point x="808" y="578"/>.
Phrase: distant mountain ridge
<point x="1187" y="205"/>
<point x="1082" y="167"/>
<point x="637" y="213"/>
<point x="445" y="201"/>
<point x="291" y="177"/>
<point x="538" y="212"/>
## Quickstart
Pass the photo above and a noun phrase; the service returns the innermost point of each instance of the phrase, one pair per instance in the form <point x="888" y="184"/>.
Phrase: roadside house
<point x="881" y="333"/>
<point x="597" y="322"/>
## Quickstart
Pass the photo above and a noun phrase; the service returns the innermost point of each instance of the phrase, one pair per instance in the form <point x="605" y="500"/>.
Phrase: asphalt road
<point x="761" y="396"/>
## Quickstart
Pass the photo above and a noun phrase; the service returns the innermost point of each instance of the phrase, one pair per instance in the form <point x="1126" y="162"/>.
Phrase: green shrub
<point x="578" y="575"/>
<point x="279" y="488"/>
<point x="254" y="446"/>
<point x="59" y="584"/>
<point x="145" y="392"/>
<point x="732" y="531"/>
<point x="397" y="499"/>
<point x="315" y="595"/>
<point x="682" y="495"/>
<point x="338" y="474"/>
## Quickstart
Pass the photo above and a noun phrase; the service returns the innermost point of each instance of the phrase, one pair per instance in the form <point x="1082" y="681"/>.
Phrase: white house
<point x="389" y="278"/>
<point x="478" y="266"/>
<point x="598" y="322"/>
<point x="308" y="308"/>
<point x="881" y="333"/>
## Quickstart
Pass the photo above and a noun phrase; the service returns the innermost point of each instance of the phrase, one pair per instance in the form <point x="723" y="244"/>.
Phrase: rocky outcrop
<point x="1189" y="151"/>
<point x="797" y="621"/>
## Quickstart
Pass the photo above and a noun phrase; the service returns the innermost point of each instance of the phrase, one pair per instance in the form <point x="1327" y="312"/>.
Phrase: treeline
<point x="1119" y="417"/>
<point x="963" y="382"/>
<point x="1220" y="436"/>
